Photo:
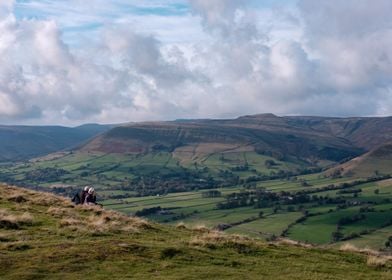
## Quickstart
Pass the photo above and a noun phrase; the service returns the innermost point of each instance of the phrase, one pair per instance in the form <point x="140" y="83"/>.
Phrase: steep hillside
<point x="45" y="237"/>
<point x="282" y="137"/>
<point x="366" y="133"/>
<point x="25" y="142"/>
<point x="377" y="161"/>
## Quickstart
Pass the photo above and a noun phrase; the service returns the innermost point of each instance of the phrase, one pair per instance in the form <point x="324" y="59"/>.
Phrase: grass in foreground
<point x="45" y="237"/>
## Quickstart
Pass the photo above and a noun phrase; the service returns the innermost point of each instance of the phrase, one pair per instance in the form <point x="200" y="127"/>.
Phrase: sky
<point x="71" y="62"/>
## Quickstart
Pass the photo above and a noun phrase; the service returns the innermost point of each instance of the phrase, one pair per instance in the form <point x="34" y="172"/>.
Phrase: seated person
<point x="91" y="198"/>
<point x="80" y="197"/>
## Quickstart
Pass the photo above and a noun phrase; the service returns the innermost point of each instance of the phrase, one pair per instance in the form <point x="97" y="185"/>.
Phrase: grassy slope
<point x="378" y="160"/>
<point x="193" y="141"/>
<point x="54" y="240"/>
<point x="114" y="169"/>
<point x="25" y="142"/>
<point x="374" y="240"/>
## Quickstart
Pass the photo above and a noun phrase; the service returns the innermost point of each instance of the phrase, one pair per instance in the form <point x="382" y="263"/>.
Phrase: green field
<point x="105" y="170"/>
<point x="193" y="210"/>
<point x="375" y="239"/>
<point x="124" y="183"/>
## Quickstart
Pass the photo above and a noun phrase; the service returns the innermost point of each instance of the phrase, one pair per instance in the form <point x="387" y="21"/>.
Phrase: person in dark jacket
<point x="80" y="197"/>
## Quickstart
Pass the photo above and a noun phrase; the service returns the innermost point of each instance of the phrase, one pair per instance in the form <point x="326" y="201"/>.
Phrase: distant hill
<point x="378" y="161"/>
<point x="304" y="138"/>
<point x="363" y="132"/>
<point x="25" y="142"/>
<point x="301" y="137"/>
<point x="43" y="236"/>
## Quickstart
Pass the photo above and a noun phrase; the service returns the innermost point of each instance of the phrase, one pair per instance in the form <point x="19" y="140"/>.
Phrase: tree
<point x="304" y="183"/>
<point x="269" y="163"/>
<point x="337" y="235"/>
<point x="388" y="243"/>
<point x="290" y="208"/>
<point x="376" y="191"/>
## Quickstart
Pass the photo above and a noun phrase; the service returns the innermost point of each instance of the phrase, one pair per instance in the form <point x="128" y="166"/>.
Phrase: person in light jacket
<point x="91" y="198"/>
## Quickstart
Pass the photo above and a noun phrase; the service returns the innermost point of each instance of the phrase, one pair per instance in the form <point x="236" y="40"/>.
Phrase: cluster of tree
<point x="275" y="154"/>
<point x="244" y="167"/>
<point x="181" y="180"/>
<point x="211" y="193"/>
<point x="163" y="148"/>
<point x="225" y="226"/>
<point x="352" y="219"/>
<point x="47" y="174"/>
<point x="305" y="183"/>
<point x="230" y="178"/>
<point x="248" y="198"/>
<point x="337" y="173"/>
<point x="337" y="235"/>
<point x="269" y="163"/>
<point x="346" y="185"/>
<point x="180" y="216"/>
<point x="348" y="191"/>
<point x="366" y="209"/>
<point x="260" y="198"/>
<point x="148" y="211"/>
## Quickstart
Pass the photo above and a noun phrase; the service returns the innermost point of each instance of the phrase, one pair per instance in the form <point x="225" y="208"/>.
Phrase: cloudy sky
<point x="108" y="61"/>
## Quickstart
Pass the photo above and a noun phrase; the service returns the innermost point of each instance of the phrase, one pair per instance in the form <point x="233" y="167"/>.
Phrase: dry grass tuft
<point x="17" y="199"/>
<point x="377" y="261"/>
<point x="12" y="221"/>
<point x="181" y="225"/>
<point x="140" y="223"/>
<point x="374" y="258"/>
<point x="348" y="247"/>
<point x="69" y="222"/>
<point x="286" y="241"/>
<point x="201" y="228"/>
<point x="9" y="191"/>
<point x="26" y="218"/>
<point x="73" y="224"/>
<point x="100" y="221"/>
<point x="46" y="199"/>
<point x="111" y="221"/>
<point x="6" y="238"/>
<point x="60" y="212"/>
<point x="214" y="239"/>
<point x="21" y="195"/>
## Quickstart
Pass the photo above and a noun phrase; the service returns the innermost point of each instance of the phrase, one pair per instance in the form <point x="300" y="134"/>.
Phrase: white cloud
<point x="225" y="58"/>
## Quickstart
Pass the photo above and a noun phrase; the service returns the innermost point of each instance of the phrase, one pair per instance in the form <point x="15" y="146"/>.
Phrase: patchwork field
<point x="234" y="192"/>
<point x="318" y="224"/>
<point x="113" y="171"/>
